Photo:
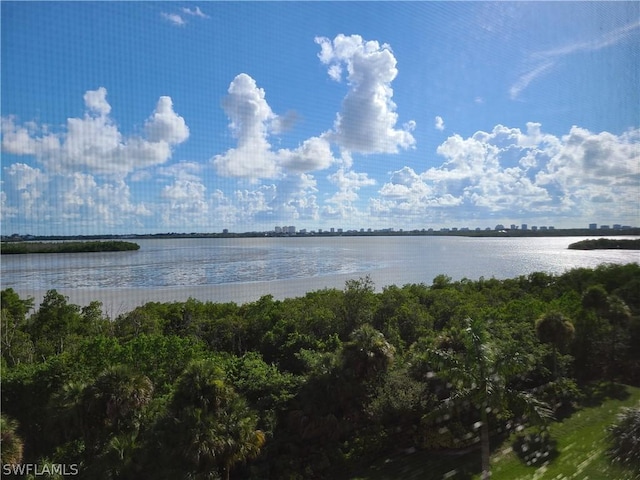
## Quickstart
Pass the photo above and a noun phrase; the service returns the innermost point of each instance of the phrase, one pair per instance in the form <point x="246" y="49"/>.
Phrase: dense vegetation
<point x="316" y="386"/>
<point x="67" y="247"/>
<point x="606" y="243"/>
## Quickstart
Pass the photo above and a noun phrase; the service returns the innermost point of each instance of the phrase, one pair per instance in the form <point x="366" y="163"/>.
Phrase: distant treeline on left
<point x="67" y="247"/>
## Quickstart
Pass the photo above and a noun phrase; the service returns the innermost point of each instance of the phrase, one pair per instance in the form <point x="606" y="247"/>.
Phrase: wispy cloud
<point x="178" y="19"/>
<point x="196" y="12"/>
<point x="524" y="80"/>
<point x="605" y="40"/>
<point x="174" y="18"/>
<point x="439" y="123"/>
<point x="545" y="60"/>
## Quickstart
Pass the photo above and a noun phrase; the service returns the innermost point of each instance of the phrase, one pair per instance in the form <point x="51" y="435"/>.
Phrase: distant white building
<point x="286" y="230"/>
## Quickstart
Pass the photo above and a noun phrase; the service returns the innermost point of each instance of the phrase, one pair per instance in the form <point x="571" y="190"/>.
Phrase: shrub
<point x="624" y="438"/>
<point x="535" y="448"/>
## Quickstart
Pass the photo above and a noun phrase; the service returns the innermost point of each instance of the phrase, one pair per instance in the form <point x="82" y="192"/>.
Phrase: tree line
<point x="309" y="387"/>
<point x="67" y="247"/>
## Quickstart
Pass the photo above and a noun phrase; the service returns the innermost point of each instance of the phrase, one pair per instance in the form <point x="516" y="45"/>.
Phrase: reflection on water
<point x="172" y="263"/>
<point x="164" y="263"/>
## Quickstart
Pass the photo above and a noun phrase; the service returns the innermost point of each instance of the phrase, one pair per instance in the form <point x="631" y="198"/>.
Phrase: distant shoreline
<point x="517" y="233"/>
<point x="17" y="248"/>
<point x="606" y="244"/>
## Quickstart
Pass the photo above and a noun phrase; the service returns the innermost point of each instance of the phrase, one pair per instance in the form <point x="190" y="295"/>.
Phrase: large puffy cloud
<point x="164" y="125"/>
<point x="313" y="154"/>
<point x="28" y="186"/>
<point x="409" y="194"/>
<point x="94" y="143"/>
<point x="36" y="200"/>
<point x="596" y="173"/>
<point x="250" y="114"/>
<point x="591" y="159"/>
<point x="186" y="204"/>
<point x="367" y="122"/>
<point x="296" y="198"/>
<point x="92" y="203"/>
<point x="27" y="139"/>
<point x="523" y="174"/>
<point x="251" y="123"/>
<point x="342" y="204"/>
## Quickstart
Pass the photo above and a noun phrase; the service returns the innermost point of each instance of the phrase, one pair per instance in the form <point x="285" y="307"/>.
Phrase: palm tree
<point x="112" y="404"/>
<point x="65" y="412"/>
<point x="209" y="425"/>
<point x="553" y="328"/>
<point x="367" y="353"/>
<point x="11" y="445"/>
<point x="479" y="375"/>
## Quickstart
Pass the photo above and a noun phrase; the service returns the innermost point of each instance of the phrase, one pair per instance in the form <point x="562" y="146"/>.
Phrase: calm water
<point x="244" y="269"/>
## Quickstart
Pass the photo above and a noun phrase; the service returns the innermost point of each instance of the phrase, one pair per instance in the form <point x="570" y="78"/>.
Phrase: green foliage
<point x="55" y="324"/>
<point x="563" y="395"/>
<point x="10" y="441"/>
<point x="606" y="243"/>
<point x="554" y="329"/>
<point x="17" y="346"/>
<point x="360" y="302"/>
<point x="535" y="448"/>
<point x="624" y="438"/>
<point x="266" y="388"/>
<point x="479" y="374"/>
<point x="112" y="404"/>
<point x="367" y="354"/>
<point x="332" y="379"/>
<point x="208" y="425"/>
<point x="15" y="306"/>
<point x="67" y="247"/>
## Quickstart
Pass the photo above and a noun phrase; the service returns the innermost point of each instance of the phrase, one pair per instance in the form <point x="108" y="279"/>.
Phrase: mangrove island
<point x="67" y="247"/>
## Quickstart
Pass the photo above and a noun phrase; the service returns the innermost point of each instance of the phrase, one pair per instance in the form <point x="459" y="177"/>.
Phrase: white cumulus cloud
<point x="251" y="123"/>
<point x="250" y="114"/>
<point x="164" y="125"/>
<point x="186" y="204"/>
<point x="523" y="174"/>
<point x="94" y="144"/>
<point x="439" y="123"/>
<point x="367" y="121"/>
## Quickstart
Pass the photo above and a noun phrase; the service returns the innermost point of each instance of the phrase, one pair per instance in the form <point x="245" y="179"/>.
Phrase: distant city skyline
<point x="145" y="117"/>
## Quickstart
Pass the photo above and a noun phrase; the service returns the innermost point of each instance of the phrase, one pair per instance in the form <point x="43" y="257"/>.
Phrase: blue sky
<point x="137" y="117"/>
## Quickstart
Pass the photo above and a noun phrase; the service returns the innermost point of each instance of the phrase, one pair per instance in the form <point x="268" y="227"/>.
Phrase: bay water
<point x="243" y="269"/>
